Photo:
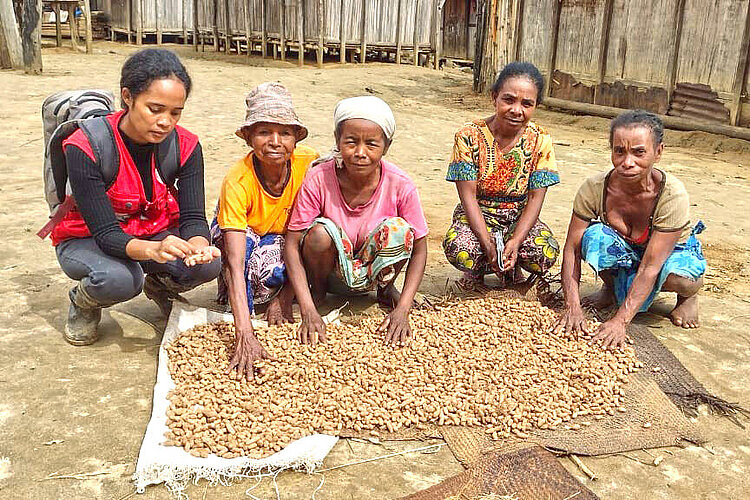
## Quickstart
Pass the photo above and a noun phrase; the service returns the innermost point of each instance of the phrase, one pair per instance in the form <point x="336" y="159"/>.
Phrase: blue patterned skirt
<point x="605" y="250"/>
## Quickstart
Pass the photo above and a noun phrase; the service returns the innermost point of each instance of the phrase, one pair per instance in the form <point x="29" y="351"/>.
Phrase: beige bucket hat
<point x="271" y="102"/>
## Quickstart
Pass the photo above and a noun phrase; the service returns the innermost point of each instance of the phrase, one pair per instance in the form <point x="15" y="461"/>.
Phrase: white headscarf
<point x="367" y="107"/>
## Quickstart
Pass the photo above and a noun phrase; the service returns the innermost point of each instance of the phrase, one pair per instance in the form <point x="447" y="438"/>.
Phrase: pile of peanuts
<point x="490" y="363"/>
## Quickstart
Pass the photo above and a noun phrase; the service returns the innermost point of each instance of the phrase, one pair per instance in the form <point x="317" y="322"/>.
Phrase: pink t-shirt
<point x="320" y="196"/>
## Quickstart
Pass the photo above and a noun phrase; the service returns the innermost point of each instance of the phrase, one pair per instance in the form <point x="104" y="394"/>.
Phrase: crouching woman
<point x="632" y="225"/>
<point x="145" y="230"/>
<point x="357" y="222"/>
<point x="254" y="205"/>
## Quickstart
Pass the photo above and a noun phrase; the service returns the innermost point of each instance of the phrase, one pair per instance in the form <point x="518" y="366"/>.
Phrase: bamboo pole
<point x="342" y="33"/>
<point x="321" y="31"/>
<point x="216" y="25"/>
<point x="679" y="17"/>
<point x="552" y="56"/>
<point x="603" y="48"/>
<point x="73" y="23"/>
<point x="58" y="24"/>
<point x="398" y="32"/>
<point x="416" y="38"/>
<point x="739" y="75"/>
<point x="301" y="32"/>
<point x="263" y="30"/>
<point x="363" y="25"/>
<point x="89" y="34"/>
<point x="282" y="29"/>
<point x="518" y="31"/>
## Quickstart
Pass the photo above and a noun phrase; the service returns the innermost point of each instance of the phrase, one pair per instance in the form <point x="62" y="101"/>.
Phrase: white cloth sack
<point x="174" y="466"/>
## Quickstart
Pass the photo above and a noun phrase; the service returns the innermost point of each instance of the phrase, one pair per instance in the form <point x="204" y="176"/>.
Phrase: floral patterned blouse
<point x="503" y="180"/>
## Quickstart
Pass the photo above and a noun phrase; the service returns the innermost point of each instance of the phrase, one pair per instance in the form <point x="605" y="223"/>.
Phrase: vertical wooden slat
<point x="342" y="33"/>
<point x="263" y="29"/>
<point x="139" y="23"/>
<point x="227" y="28"/>
<point x="216" y="25"/>
<point x="157" y="16"/>
<point x="603" y="47"/>
<point x="301" y="32"/>
<point x="196" y="26"/>
<point x="739" y="75"/>
<point x="438" y="34"/>
<point x="398" y="32"/>
<point x="129" y="19"/>
<point x="416" y="38"/>
<point x="58" y="24"/>
<point x="184" y="22"/>
<point x="552" y="56"/>
<point x="321" y="31"/>
<point x="363" y="25"/>
<point x="282" y="29"/>
<point x="679" y="18"/>
<point x="246" y="16"/>
<point x="518" y="30"/>
<point x="31" y="36"/>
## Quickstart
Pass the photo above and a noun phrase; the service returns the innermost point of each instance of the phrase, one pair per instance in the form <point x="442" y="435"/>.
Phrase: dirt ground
<point x="84" y="410"/>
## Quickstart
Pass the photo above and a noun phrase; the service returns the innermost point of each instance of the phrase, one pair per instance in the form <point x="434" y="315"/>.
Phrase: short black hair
<point x="638" y="118"/>
<point x="525" y="69"/>
<point x="147" y="65"/>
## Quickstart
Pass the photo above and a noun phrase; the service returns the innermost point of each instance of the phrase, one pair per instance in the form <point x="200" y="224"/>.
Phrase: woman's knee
<point x="682" y="285"/>
<point x="317" y="241"/>
<point x="191" y="277"/>
<point x="115" y="283"/>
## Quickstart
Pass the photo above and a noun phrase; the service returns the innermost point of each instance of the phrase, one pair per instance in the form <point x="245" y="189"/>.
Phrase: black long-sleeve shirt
<point x="90" y="193"/>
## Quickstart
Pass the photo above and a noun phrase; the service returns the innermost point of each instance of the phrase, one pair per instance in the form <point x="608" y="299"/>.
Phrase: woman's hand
<point x="246" y="352"/>
<point x="611" y="334"/>
<point x="203" y="256"/>
<point x="572" y="320"/>
<point x="169" y="249"/>
<point x="396" y="327"/>
<point x="510" y="254"/>
<point x="313" y="329"/>
<point x="490" y="252"/>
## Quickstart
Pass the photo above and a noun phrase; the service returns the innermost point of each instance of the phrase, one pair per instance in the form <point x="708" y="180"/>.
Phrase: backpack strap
<point x="102" y="140"/>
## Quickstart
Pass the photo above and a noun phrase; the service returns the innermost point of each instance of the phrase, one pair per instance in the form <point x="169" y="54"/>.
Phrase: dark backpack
<point x="65" y="112"/>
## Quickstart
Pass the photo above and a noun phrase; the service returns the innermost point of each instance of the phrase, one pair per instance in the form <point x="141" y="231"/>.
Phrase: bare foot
<point x="388" y="296"/>
<point x="685" y="313"/>
<point x="602" y="299"/>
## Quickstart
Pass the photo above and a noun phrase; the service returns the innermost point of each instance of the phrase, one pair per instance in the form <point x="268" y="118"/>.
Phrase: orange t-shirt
<point x="243" y="202"/>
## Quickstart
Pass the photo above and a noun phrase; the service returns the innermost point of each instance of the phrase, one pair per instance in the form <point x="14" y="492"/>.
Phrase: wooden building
<point x="684" y="58"/>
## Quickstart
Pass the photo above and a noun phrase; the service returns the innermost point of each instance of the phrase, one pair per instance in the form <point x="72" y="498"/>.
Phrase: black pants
<point x="110" y="280"/>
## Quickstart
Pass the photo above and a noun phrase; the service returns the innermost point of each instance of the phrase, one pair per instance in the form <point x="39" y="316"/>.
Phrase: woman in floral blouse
<point x="502" y="167"/>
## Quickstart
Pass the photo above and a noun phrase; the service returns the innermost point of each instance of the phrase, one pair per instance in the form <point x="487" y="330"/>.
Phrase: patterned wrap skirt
<point x="265" y="271"/>
<point x="537" y="253"/>
<point x="389" y="243"/>
<point x="605" y="250"/>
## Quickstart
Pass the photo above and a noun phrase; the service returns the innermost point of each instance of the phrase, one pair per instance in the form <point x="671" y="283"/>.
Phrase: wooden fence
<point x="686" y="58"/>
<point x="281" y="25"/>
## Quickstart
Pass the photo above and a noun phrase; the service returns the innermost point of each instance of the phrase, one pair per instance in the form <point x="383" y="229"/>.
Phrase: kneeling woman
<point x="632" y="225"/>
<point x="136" y="225"/>
<point x="254" y="205"/>
<point x="502" y="167"/>
<point x="356" y="223"/>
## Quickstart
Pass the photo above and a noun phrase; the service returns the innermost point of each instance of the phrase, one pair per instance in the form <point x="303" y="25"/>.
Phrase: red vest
<point x="138" y="217"/>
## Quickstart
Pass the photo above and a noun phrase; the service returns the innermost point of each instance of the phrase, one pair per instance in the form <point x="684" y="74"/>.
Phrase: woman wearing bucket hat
<point x="357" y="222"/>
<point x="256" y="199"/>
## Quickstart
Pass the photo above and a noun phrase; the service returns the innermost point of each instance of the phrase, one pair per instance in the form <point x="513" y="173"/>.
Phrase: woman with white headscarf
<point x="356" y="222"/>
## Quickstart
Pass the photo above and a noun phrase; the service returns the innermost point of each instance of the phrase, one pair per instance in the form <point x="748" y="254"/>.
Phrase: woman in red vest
<point x="137" y="232"/>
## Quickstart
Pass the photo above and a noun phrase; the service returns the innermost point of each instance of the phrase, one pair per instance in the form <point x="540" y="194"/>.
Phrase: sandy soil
<point x="84" y="410"/>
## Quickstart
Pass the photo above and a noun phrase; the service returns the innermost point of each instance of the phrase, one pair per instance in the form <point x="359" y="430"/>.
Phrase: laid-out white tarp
<point x="174" y="466"/>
